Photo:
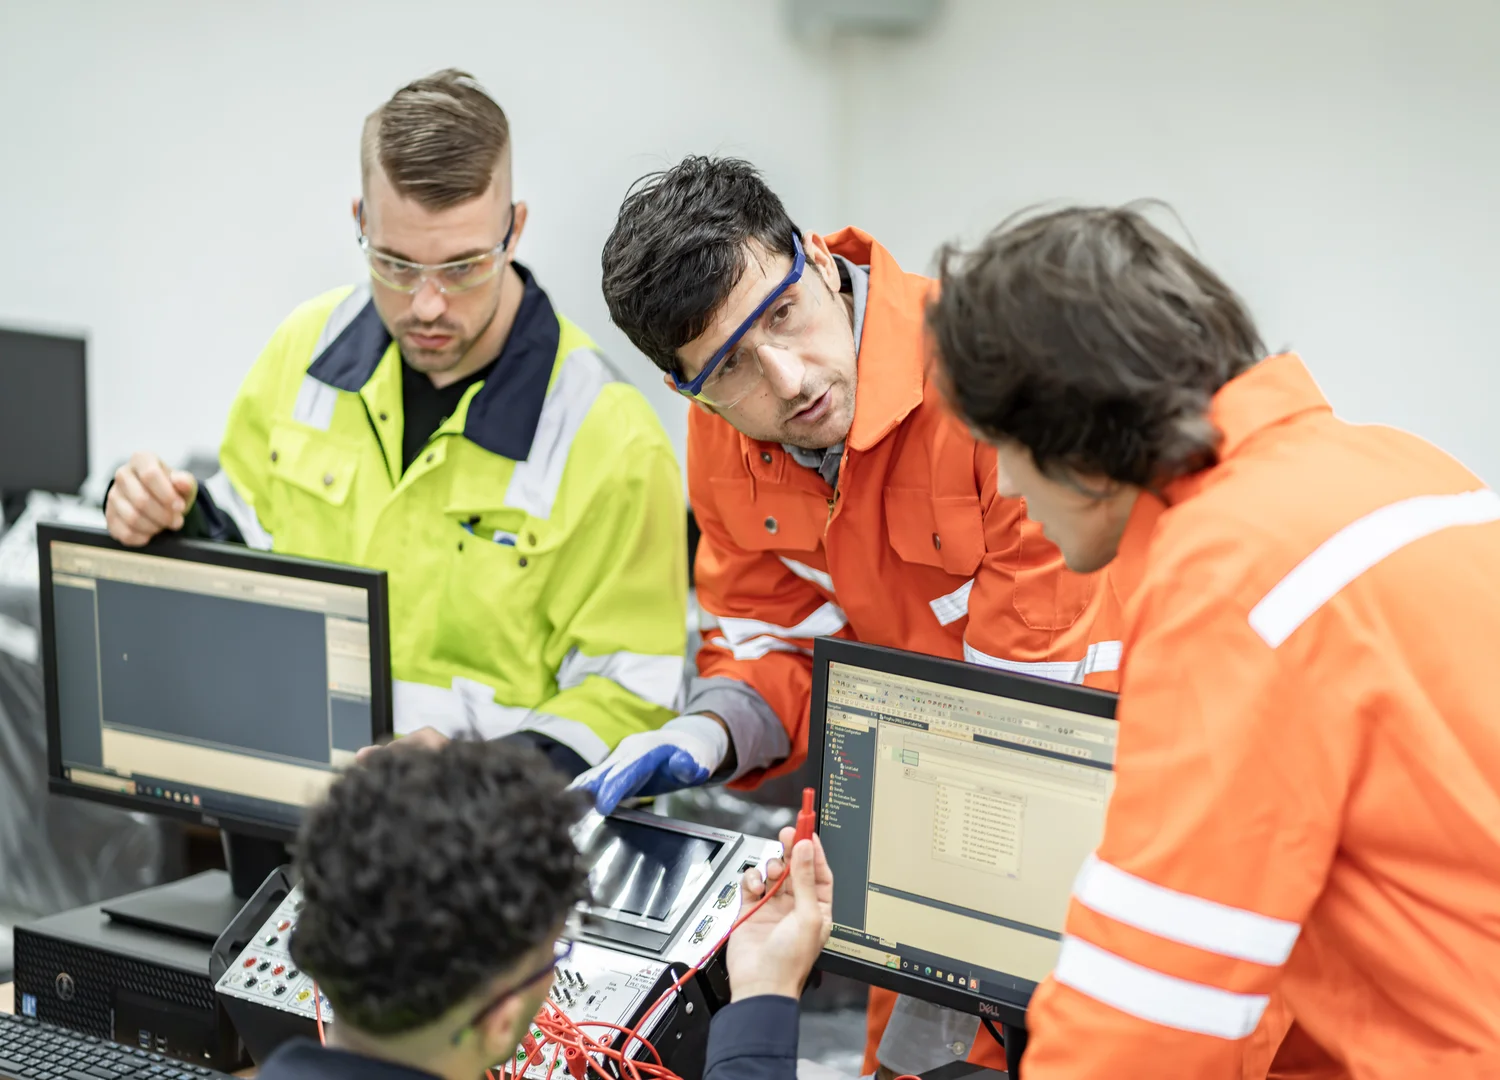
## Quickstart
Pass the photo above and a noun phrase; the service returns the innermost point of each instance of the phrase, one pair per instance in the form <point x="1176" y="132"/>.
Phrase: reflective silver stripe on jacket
<point x="228" y="499"/>
<point x="535" y="482"/>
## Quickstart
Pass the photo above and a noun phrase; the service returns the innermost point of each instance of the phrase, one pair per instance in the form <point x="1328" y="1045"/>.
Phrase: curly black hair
<point x="427" y="872"/>
<point x="678" y="250"/>
<point x="1093" y="339"/>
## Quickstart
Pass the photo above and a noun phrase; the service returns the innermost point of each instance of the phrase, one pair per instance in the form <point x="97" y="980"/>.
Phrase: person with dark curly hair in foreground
<point x="436" y="887"/>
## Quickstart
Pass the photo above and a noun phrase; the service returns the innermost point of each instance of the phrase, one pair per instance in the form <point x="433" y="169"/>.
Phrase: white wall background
<point x="1337" y="161"/>
<point x="175" y="176"/>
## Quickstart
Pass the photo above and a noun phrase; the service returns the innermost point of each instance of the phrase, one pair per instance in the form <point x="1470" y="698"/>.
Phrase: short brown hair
<point x="439" y="140"/>
<point x="1094" y="340"/>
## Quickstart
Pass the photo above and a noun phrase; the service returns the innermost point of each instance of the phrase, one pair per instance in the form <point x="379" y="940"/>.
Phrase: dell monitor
<point x="44" y="436"/>
<point x="210" y="683"/>
<point x="956" y="806"/>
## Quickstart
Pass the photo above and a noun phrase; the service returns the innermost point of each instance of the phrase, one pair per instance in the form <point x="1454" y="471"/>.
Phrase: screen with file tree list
<point x="956" y="810"/>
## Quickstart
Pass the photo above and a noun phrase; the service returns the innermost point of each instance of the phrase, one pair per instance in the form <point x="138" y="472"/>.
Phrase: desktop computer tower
<point x="85" y="971"/>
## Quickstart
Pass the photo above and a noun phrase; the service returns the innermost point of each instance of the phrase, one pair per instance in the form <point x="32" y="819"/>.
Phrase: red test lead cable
<point x="807" y="818"/>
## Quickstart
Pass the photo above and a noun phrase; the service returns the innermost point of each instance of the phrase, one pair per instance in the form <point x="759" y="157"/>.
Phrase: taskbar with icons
<point x="928" y="966"/>
<point x="168" y="794"/>
<point x="968" y="981"/>
<point x="216" y="804"/>
<point x="213" y="806"/>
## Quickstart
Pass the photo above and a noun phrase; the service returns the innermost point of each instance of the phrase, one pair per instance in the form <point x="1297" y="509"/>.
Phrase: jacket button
<point x="531" y="539"/>
<point x="328" y="479"/>
<point x="523" y="560"/>
<point x="274" y="455"/>
<point x="429" y="458"/>
<point x="937" y="541"/>
<point x="771" y="525"/>
<point x="460" y="545"/>
<point x="384" y="417"/>
<point x="765" y="455"/>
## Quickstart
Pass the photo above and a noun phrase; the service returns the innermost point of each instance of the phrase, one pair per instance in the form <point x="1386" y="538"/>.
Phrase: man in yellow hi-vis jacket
<point x="443" y="422"/>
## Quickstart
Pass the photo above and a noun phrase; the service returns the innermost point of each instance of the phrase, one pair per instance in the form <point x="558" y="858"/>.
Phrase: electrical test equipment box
<point x="664" y="894"/>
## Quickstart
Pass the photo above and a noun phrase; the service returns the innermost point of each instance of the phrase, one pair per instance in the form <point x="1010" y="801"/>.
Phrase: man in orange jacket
<point x="1307" y="797"/>
<point x="835" y="493"/>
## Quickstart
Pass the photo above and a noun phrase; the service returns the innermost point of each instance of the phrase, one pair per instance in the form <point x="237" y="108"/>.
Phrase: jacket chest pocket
<point x="493" y="589"/>
<point x="760" y="517"/>
<point x="311" y="478"/>
<point x="940" y="531"/>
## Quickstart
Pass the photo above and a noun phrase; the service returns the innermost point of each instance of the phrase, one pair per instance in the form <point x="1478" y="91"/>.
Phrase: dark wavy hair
<point x="678" y="250"/>
<point x="427" y="873"/>
<point x="1093" y="339"/>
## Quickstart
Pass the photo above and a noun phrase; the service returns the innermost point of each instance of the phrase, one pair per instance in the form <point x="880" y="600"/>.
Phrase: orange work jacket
<point x="915" y="550"/>
<point x="1307" y="792"/>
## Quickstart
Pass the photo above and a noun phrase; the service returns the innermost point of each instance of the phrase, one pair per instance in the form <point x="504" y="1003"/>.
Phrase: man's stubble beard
<point x="458" y="351"/>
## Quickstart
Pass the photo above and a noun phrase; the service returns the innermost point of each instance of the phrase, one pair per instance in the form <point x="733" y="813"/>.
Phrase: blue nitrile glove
<point x="682" y="753"/>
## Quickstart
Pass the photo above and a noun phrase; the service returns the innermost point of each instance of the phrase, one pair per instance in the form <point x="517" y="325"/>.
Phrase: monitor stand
<point x="1015" y="1046"/>
<point x="199" y="907"/>
<point x="202" y="906"/>
<point x="250" y="860"/>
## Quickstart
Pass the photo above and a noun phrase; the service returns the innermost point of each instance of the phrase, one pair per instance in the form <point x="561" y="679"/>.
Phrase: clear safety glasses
<point x="405" y="276"/>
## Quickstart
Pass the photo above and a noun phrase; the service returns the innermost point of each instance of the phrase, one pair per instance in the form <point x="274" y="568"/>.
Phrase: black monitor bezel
<point x="1006" y="1006"/>
<point x="214" y="553"/>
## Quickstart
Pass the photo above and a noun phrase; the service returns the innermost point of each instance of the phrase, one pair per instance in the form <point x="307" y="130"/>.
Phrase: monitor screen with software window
<point x="205" y="680"/>
<point x="956" y="806"/>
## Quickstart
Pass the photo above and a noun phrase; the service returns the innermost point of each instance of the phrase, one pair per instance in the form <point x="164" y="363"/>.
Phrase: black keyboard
<point x="30" y="1050"/>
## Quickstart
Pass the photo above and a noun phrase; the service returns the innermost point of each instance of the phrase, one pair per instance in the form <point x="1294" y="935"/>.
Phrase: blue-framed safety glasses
<point x="704" y="378"/>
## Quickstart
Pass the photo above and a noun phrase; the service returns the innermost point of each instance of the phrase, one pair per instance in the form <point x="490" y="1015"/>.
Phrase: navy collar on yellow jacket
<point x="503" y="415"/>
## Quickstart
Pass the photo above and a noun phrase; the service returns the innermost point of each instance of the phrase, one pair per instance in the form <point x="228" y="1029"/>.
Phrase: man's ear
<point x="354" y="207"/>
<point x="818" y="254"/>
<point x="500" y="1032"/>
<point x="516" y="230"/>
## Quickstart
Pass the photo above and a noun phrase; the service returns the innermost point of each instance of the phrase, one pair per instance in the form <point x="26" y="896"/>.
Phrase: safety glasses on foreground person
<point x="460" y="275"/>
<point x="725" y="384"/>
<point x="562" y="948"/>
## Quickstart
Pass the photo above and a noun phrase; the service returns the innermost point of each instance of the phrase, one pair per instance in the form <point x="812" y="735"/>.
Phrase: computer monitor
<point x="956" y="806"/>
<point x="207" y="681"/>
<point x="44" y="432"/>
